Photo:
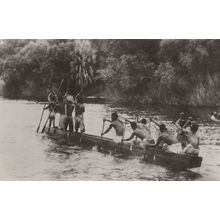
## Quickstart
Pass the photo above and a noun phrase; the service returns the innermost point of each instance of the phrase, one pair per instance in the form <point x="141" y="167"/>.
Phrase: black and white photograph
<point x="110" y="109"/>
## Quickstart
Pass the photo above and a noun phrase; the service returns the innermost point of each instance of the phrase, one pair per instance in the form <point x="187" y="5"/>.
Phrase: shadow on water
<point x="183" y="175"/>
<point x="108" y="167"/>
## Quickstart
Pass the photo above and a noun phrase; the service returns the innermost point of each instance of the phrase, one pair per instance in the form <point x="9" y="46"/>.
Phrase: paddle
<point x="123" y="135"/>
<point x="42" y="131"/>
<point x="155" y="122"/>
<point x="103" y="126"/>
<point x="41" y="118"/>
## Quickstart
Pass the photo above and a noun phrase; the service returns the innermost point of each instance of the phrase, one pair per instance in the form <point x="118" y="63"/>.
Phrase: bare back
<point x="119" y="127"/>
<point x="193" y="139"/>
<point x="140" y="133"/>
<point x="167" y="138"/>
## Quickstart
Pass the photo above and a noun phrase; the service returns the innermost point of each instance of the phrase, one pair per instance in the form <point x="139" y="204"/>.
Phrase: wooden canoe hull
<point x="107" y="145"/>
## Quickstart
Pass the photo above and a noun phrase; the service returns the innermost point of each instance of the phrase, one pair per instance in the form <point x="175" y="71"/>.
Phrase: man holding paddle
<point x="48" y="118"/>
<point x="166" y="139"/>
<point x="53" y="99"/>
<point x="118" y="125"/>
<point x="140" y="133"/>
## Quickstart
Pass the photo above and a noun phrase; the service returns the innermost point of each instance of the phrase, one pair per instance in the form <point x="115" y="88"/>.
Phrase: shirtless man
<point x="191" y="139"/>
<point x="166" y="140"/>
<point x="118" y="125"/>
<point x="138" y="132"/>
<point x="79" y="119"/>
<point x="165" y="137"/>
<point x="146" y="126"/>
<point x="143" y="123"/>
<point x="180" y="134"/>
<point x="51" y="106"/>
<point x="66" y="110"/>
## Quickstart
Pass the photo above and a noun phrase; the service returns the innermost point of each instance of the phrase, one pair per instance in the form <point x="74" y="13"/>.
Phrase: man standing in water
<point x="118" y="125"/>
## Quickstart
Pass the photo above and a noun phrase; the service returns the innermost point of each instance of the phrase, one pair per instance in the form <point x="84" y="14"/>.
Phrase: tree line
<point x="175" y="72"/>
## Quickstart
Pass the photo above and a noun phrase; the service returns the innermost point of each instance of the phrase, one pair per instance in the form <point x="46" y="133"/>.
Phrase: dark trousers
<point x="69" y="122"/>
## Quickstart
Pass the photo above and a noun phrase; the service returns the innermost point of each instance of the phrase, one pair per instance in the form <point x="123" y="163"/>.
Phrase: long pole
<point x="42" y="131"/>
<point x="103" y="126"/>
<point x="41" y="118"/>
<point x="123" y="131"/>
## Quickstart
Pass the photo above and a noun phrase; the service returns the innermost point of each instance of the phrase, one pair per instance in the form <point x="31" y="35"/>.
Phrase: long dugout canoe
<point x="126" y="149"/>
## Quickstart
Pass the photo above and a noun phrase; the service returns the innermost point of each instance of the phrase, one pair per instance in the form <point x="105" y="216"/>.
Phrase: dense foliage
<point x="175" y="72"/>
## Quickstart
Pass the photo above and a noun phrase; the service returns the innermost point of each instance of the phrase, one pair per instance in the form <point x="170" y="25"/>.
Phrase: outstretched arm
<point x="107" y="130"/>
<point x="215" y="119"/>
<point x="126" y="120"/>
<point x="105" y="119"/>
<point x="178" y="125"/>
<point x="182" y="129"/>
<point x="187" y="124"/>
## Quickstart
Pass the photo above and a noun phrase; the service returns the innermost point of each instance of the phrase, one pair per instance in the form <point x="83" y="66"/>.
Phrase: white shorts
<point x="189" y="149"/>
<point x="117" y="139"/>
<point x="174" y="148"/>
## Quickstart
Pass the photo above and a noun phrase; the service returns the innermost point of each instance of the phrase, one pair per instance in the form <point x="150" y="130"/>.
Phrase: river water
<point x="27" y="155"/>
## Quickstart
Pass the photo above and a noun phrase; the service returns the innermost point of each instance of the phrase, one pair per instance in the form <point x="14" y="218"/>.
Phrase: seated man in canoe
<point x="118" y="125"/>
<point x="79" y="120"/>
<point x="166" y="140"/>
<point x="191" y="140"/>
<point x="143" y="123"/>
<point x="139" y="132"/>
<point x="147" y="126"/>
<point x="180" y="135"/>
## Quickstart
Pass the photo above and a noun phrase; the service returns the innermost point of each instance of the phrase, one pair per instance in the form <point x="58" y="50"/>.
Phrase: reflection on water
<point x="25" y="155"/>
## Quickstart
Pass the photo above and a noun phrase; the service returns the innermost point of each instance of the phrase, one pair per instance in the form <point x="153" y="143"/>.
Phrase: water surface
<point x="27" y="155"/>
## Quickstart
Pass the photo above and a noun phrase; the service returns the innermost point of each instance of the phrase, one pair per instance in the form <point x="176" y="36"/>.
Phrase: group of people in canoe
<point x="65" y="108"/>
<point x="186" y="137"/>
